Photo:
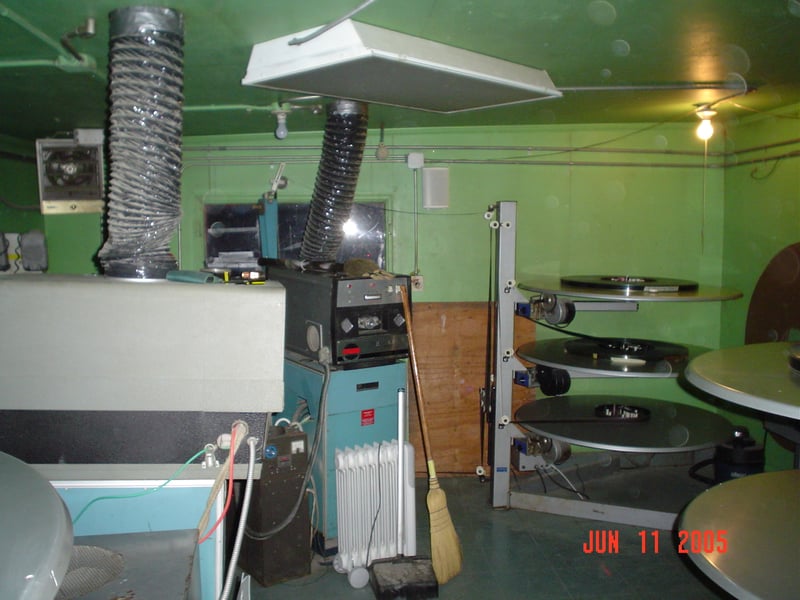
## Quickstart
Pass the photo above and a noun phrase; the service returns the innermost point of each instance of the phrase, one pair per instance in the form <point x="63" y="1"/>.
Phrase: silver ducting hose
<point x="335" y="186"/>
<point x="145" y="128"/>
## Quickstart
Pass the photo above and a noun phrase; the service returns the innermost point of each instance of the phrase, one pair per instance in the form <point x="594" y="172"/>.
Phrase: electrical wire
<point x="542" y="479"/>
<point x="765" y="112"/>
<point x="260" y="536"/>
<point x="142" y="493"/>
<point x="583" y="483"/>
<point x="15" y="206"/>
<point x="221" y="517"/>
<point x="546" y="470"/>
<point x="416" y="223"/>
<point x="231" y="463"/>
<point x="331" y="25"/>
<point x="312" y="490"/>
<point x="227" y="469"/>
<point x="774" y="166"/>
<point x="601" y="143"/>
<point x="648" y="459"/>
<point x="565" y="330"/>
<point x="237" y="544"/>
<point x="4" y="264"/>
<point x="487" y="400"/>
<point x="675" y="118"/>
<point x="377" y="510"/>
<point x="448" y="214"/>
<point x="17" y="255"/>
<point x="526" y="160"/>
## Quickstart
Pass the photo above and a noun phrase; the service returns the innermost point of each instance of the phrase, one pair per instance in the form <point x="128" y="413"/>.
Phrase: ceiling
<point x="615" y="60"/>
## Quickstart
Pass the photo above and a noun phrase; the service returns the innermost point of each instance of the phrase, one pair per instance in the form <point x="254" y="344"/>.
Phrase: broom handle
<point x="412" y="352"/>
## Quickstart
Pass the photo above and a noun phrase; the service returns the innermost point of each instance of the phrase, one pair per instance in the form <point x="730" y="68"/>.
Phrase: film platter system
<point x="623" y="431"/>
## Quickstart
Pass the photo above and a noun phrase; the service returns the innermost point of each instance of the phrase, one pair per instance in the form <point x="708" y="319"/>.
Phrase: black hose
<point x="337" y="176"/>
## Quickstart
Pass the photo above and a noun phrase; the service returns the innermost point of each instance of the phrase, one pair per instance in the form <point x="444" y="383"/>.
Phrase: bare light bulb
<point x="705" y="130"/>
<point x="350" y="228"/>
<point x="281" y="131"/>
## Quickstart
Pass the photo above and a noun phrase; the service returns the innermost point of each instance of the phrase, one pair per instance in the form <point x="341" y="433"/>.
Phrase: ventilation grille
<point x="70" y="176"/>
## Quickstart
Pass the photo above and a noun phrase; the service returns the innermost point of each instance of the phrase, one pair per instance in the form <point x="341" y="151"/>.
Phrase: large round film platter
<point x="556" y="353"/>
<point x="669" y="427"/>
<point x="661" y="291"/>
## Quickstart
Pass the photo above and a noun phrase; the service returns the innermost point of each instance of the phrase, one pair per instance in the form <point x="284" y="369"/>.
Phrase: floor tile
<point x="513" y="554"/>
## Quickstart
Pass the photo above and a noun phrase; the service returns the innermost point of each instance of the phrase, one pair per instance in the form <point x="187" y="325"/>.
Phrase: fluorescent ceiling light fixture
<point x="371" y="64"/>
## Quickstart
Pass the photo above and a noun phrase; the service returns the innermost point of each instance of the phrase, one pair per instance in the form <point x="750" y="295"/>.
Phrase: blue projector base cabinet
<point x="361" y="409"/>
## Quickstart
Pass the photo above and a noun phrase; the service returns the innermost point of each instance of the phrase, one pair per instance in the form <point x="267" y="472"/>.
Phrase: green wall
<point x="762" y="216"/>
<point x="18" y="186"/>
<point x="762" y="207"/>
<point x="643" y="205"/>
<point x="653" y="211"/>
<point x="72" y="240"/>
<point x="647" y="211"/>
<point x="591" y="199"/>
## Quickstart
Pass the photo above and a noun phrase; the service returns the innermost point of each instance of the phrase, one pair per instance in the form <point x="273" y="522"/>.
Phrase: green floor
<point x="516" y="554"/>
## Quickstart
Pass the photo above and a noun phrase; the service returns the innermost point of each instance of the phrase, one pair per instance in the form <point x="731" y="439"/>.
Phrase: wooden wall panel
<point x="450" y="342"/>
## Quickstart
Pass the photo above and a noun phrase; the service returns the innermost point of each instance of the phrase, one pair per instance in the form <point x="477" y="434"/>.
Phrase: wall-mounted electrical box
<point x="23" y="252"/>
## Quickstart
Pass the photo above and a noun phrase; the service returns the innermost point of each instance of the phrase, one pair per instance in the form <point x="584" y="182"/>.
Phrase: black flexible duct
<point x="145" y="128"/>
<point x="335" y="186"/>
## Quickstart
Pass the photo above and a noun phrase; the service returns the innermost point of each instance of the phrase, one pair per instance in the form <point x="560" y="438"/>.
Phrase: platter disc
<point x="554" y="284"/>
<point x="630" y="283"/>
<point x="627" y="349"/>
<point x="553" y="353"/>
<point x="670" y="426"/>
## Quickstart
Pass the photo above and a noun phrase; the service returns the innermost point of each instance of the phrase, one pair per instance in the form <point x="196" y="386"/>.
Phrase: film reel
<point x="630" y="283"/>
<point x="621" y="412"/>
<point x="626" y="349"/>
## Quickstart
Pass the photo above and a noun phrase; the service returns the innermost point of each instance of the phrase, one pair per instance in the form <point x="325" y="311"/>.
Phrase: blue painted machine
<point x="361" y="409"/>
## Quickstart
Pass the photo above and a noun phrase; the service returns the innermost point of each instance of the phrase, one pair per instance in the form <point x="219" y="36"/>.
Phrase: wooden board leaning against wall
<point x="450" y="342"/>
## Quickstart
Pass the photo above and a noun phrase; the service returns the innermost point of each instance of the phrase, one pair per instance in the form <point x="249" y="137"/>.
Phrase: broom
<point x="445" y="545"/>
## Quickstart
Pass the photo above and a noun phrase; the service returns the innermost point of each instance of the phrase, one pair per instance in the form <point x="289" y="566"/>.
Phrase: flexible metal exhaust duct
<point x="337" y="176"/>
<point x="146" y="123"/>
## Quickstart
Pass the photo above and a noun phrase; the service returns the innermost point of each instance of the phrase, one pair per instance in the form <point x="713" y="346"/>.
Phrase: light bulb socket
<point x="705" y="112"/>
<point x="281" y="131"/>
<point x="705" y="129"/>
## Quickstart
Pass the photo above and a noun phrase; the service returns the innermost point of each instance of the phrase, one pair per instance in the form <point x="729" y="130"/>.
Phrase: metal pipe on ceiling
<point x="22" y="22"/>
<point x="261" y="161"/>
<point x="483" y="148"/>
<point x="64" y="59"/>
<point x="422" y="148"/>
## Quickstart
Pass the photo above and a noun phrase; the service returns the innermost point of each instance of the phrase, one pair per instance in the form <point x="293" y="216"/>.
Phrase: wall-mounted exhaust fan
<point x="362" y="62"/>
<point x="71" y="173"/>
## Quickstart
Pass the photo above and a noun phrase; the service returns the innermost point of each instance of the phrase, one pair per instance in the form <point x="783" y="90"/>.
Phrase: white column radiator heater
<point x="367" y="504"/>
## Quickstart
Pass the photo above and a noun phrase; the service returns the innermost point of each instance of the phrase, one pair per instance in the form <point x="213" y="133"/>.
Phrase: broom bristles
<point x="446" y="554"/>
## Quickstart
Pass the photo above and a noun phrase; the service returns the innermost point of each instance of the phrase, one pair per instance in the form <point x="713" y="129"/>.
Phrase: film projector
<point x="541" y="433"/>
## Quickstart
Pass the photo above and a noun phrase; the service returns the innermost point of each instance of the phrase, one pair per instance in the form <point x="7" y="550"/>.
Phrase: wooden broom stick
<point x="446" y="554"/>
